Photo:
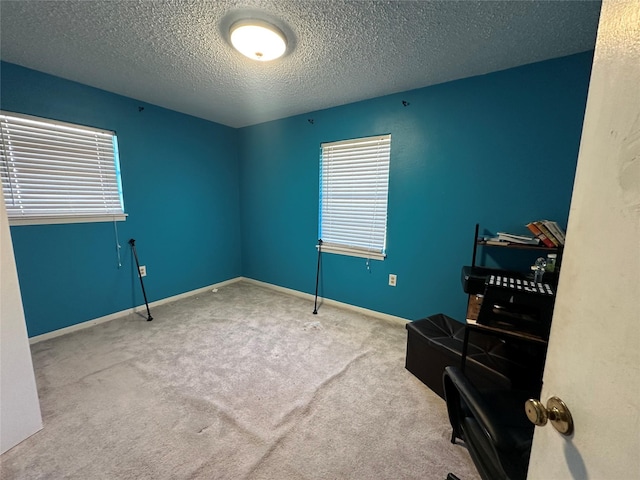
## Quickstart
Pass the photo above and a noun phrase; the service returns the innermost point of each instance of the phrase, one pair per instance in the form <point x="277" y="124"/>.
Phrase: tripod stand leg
<point x="315" y="303"/>
<point x="132" y="242"/>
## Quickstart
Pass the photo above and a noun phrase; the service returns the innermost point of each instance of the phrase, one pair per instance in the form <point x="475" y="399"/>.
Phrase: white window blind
<point x="56" y="172"/>
<point x="354" y="184"/>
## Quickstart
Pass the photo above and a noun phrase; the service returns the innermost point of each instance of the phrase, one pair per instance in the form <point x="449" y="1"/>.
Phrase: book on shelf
<point x="522" y="239"/>
<point x="540" y="234"/>
<point x="555" y="230"/>
<point x="543" y="228"/>
<point x="495" y="241"/>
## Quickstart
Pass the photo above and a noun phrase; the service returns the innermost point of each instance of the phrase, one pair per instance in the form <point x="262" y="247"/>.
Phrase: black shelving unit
<point x="477" y="241"/>
<point x="480" y="242"/>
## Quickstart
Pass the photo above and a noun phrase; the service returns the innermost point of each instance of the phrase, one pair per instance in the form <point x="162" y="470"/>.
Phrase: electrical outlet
<point x="392" y="279"/>
<point x="143" y="271"/>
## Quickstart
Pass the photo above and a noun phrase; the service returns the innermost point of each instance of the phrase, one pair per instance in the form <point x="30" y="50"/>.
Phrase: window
<point x="354" y="183"/>
<point x="55" y="172"/>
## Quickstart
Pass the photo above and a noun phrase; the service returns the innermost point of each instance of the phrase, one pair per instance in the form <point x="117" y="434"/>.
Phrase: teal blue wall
<point x="181" y="190"/>
<point x="498" y="149"/>
<point x="208" y="203"/>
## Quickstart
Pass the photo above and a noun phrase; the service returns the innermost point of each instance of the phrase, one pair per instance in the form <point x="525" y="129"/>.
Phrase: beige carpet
<point x="244" y="383"/>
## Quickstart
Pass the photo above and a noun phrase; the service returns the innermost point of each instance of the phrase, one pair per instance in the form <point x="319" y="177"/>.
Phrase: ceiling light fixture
<point x="258" y="40"/>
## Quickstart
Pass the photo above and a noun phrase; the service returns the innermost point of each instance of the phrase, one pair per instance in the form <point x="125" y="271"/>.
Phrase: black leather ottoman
<point x="435" y="342"/>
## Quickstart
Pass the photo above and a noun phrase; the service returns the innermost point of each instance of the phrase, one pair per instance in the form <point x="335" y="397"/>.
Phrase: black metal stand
<point x="132" y="242"/>
<point x="315" y="304"/>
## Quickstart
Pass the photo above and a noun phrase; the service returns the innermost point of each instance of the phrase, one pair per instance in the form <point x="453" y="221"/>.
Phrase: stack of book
<point x="508" y="238"/>
<point x="521" y="239"/>
<point x="548" y="232"/>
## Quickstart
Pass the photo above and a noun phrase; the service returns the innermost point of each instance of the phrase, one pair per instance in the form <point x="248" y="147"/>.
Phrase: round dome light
<point x="258" y="40"/>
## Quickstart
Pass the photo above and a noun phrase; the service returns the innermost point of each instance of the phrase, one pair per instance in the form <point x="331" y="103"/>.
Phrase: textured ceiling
<point x="175" y="53"/>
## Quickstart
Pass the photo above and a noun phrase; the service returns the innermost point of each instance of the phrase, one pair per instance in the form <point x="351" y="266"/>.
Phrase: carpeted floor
<point x="244" y="383"/>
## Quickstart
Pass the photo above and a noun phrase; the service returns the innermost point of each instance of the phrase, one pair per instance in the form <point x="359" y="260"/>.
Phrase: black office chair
<point x="492" y="424"/>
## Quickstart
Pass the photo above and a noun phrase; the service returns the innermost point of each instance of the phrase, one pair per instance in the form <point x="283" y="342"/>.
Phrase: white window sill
<point x="16" y="221"/>
<point x="352" y="252"/>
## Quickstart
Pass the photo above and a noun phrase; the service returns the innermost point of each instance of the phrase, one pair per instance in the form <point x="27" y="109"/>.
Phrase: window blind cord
<point x="118" y="247"/>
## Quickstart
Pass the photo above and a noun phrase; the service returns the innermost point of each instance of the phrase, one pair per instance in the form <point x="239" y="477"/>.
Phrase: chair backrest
<point x="492" y="424"/>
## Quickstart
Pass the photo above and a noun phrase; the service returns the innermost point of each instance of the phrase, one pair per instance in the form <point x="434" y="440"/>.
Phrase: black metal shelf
<point x="518" y="246"/>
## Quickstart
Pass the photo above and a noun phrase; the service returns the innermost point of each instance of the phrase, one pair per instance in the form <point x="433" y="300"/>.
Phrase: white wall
<point x="19" y="405"/>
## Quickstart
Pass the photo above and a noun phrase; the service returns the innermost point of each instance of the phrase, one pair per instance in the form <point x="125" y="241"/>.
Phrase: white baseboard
<point x="140" y="308"/>
<point x="129" y="311"/>
<point x="328" y="301"/>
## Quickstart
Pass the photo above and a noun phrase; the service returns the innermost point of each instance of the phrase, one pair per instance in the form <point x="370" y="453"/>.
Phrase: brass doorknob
<point x="556" y="411"/>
